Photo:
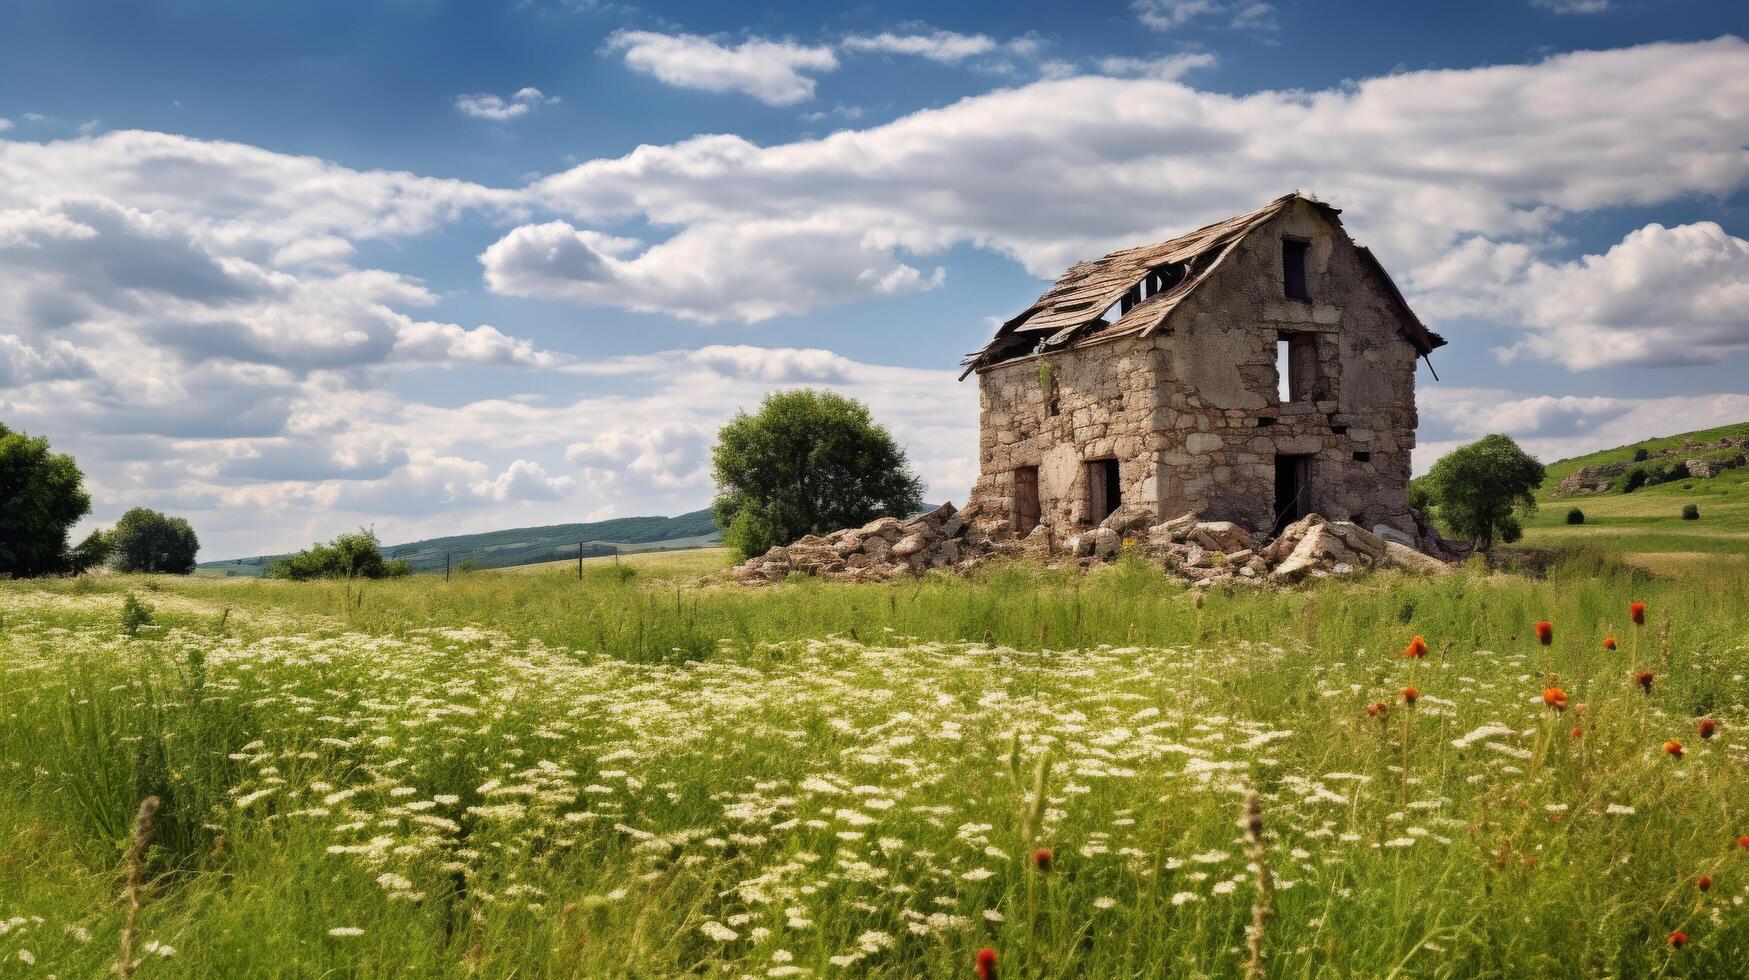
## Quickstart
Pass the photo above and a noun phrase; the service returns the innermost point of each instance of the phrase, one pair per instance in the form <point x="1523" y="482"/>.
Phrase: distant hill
<point x="1646" y="527"/>
<point x="526" y="545"/>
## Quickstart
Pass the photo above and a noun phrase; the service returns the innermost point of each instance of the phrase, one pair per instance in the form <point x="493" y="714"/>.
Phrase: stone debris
<point x="1204" y="553"/>
<point x="1599" y="478"/>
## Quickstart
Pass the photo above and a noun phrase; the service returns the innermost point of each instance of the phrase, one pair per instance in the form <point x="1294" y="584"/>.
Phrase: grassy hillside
<point x="526" y="545"/>
<point x="1646" y="527"/>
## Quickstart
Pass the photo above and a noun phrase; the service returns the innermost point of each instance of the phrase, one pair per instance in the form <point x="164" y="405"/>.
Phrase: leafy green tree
<point x="1480" y="489"/>
<point x="147" y="541"/>
<point x="355" y="555"/>
<point x="808" y="462"/>
<point x="89" y="553"/>
<point x="42" y="494"/>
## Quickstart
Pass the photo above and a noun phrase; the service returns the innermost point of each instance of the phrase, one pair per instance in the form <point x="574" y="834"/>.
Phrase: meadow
<point x="637" y="775"/>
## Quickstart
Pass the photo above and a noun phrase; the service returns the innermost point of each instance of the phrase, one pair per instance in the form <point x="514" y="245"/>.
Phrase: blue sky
<point x="437" y="267"/>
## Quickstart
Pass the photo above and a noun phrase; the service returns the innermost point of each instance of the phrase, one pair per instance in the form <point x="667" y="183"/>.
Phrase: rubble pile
<point x="1205" y="553"/>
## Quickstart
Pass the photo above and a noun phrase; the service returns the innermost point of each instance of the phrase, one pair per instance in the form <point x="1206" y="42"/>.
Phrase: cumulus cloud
<point x="1420" y="161"/>
<point x="448" y="344"/>
<point x="938" y="45"/>
<point x="1660" y="297"/>
<point x="774" y="72"/>
<point x="55" y="360"/>
<point x="1561" y="427"/>
<point x="499" y="109"/>
<point x="749" y="271"/>
<point x="1574" y="6"/>
<point x="524" y="480"/>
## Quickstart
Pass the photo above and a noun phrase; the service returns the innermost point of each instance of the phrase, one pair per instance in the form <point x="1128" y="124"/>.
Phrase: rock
<point x="1317" y="551"/>
<point x="951" y="527"/>
<point x="1038" y="541"/>
<point x="1196" y="556"/>
<point x="1173" y="530"/>
<point x="1220" y="536"/>
<point x="1408" y="559"/>
<point x="1248" y="572"/>
<point x="883" y="526"/>
<point x="1240" y="557"/>
<point x="1079" y="545"/>
<point x="910" y="545"/>
<point x="1106" y="543"/>
<point x="1386" y="532"/>
<point x="937" y="515"/>
<point x="777" y="553"/>
<point x="1357" y="539"/>
<point x="876" y="547"/>
<point x="1128" y="519"/>
<point x="949" y="551"/>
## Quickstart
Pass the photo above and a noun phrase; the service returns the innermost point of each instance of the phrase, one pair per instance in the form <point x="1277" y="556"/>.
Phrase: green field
<point x="636" y="774"/>
<point x="1646" y="527"/>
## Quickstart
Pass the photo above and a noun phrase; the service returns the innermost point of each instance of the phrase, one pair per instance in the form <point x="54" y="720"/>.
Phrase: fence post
<point x="579" y="561"/>
<point x="446" y="566"/>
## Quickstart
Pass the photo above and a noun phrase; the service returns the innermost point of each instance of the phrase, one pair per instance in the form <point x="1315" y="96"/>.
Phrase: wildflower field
<point x="1032" y="774"/>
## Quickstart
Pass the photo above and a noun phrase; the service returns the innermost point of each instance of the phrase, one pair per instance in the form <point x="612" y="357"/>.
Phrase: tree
<point x="42" y="494"/>
<point x="147" y="541"/>
<point x="353" y="555"/>
<point x="90" y="553"/>
<point x="1480" y="489"/>
<point x="809" y="462"/>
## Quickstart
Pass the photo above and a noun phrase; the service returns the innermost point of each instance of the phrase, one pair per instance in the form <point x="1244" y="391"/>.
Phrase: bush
<point x="1480" y="488"/>
<point x="348" y="556"/>
<point x="134" y="614"/>
<point x="42" y="495"/>
<point x="808" y="463"/>
<point x="1633" y="479"/>
<point x="147" y="541"/>
<point x="1642" y="454"/>
<point x="1690" y="512"/>
<point x="1575" y="516"/>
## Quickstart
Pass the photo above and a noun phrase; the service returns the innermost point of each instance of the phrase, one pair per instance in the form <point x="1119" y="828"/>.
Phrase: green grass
<point x="1561" y="469"/>
<point x="527" y="775"/>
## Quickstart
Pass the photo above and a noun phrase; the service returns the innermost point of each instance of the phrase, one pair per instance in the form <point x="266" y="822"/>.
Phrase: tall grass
<point x="531" y="776"/>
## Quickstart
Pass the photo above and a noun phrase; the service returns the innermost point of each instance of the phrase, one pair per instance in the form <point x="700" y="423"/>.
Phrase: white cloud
<point x="1660" y="297"/>
<point x="1167" y="15"/>
<point x="1056" y="171"/>
<point x="447" y="344"/>
<point x="5" y="124"/>
<point x="498" y="109"/>
<point x="943" y="46"/>
<point x="1169" y="67"/>
<point x="1561" y="427"/>
<point x="774" y="72"/>
<point x="525" y="480"/>
<point x="749" y="271"/>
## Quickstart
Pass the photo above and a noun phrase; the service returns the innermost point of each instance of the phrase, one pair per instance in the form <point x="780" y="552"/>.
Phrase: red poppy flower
<point x="1644" y="678"/>
<point x="1609" y="643"/>
<point x="1378" y="709"/>
<point x="1041" y="859"/>
<point x="1708" y="728"/>
<point x="1417" y="648"/>
<point x="1410" y="695"/>
<point x="986" y="964"/>
<point x="1555" y="698"/>
<point x="1637" y="613"/>
<point x="1673" y="749"/>
<point x="1743" y="842"/>
<point x="1545" y="632"/>
<point x="1578" y="731"/>
<point x="1679" y="939"/>
<point x="1704" y="882"/>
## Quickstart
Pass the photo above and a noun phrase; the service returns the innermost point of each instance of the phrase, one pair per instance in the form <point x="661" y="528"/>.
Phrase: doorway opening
<point x="1293" y="477"/>
<point x="1104" y="492"/>
<point x="1026" y="508"/>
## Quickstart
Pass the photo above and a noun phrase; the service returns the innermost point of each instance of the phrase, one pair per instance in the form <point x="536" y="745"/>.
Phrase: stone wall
<point x="1192" y="412"/>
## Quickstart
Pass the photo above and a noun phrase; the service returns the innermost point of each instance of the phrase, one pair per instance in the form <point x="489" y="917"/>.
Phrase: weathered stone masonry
<point x="1178" y="382"/>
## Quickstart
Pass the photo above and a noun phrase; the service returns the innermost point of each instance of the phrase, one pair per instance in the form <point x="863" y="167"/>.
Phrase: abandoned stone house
<point x="1253" y="371"/>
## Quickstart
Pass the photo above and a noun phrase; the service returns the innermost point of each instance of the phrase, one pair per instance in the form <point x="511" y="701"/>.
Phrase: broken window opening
<point x="1293" y="268"/>
<point x="1265" y="421"/>
<point x="1363" y="457"/>
<point x="1296" y="367"/>
<point x="1104" y="491"/>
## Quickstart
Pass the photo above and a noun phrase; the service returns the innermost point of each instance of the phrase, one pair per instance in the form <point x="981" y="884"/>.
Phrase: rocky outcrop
<point x="1205" y="553"/>
<point x="1599" y="478"/>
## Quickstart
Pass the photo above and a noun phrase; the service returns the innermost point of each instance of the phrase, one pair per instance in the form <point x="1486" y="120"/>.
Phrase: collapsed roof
<point x="1146" y="283"/>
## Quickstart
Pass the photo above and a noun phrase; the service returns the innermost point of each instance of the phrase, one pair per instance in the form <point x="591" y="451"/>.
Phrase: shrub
<point x="348" y="556"/>
<point x="808" y="463"/>
<point x="1575" y="516"/>
<point x="42" y="495"/>
<point x="134" y="614"/>
<point x="1480" y="488"/>
<point x="1690" y="512"/>
<point x="147" y="541"/>
<point x="1642" y="454"/>
<point x="1633" y="479"/>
